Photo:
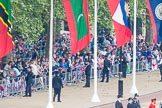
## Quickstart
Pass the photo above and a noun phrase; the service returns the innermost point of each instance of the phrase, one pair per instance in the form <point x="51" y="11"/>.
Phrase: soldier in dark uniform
<point x="118" y="103"/>
<point x="57" y="85"/>
<point x="87" y="73"/>
<point x="106" y="69"/>
<point x="136" y="102"/>
<point x="28" y="79"/>
<point x="130" y="105"/>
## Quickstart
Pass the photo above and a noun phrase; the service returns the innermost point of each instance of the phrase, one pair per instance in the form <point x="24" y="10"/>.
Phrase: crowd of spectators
<point x="25" y="55"/>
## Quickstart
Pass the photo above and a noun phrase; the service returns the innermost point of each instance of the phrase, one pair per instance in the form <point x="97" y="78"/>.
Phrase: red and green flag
<point x="78" y="23"/>
<point x="6" y="43"/>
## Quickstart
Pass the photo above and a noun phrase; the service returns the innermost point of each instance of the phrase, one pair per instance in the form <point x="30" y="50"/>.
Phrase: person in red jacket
<point x="153" y="103"/>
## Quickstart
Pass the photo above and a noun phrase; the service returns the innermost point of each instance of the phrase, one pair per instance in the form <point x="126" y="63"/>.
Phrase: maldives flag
<point x="120" y="21"/>
<point x="155" y="11"/>
<point x="77" y="17"/>
<point x="6" y="44"/>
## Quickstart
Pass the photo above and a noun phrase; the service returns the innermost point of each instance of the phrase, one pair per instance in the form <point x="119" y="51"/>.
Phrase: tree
<point x="142" y="14"/>
<point x="104" y="18"/>
<point x="29" y="18"/>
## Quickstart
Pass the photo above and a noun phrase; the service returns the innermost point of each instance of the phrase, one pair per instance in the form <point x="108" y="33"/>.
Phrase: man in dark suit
<point x="134" y="104"/>
<point x="28" y="79"/>
<point x="136" y="101"/>
<point x="106" y="69"/>
<point x="118" y="103"/>
<point x="130" y="101"/>
<point x="57" y="85"/>
<point x="87" y="73"/>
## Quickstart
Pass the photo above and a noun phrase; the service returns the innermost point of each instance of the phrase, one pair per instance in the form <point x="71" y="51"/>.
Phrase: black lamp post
<point x="120" y="81"/>
<point x="120" y="85"/>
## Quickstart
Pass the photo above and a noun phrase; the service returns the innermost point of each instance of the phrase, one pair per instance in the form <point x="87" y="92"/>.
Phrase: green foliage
<point x="104" y="18"/>
<point x="103" y="14"/>
<point x="141" y="9"/>
<point x="29" y="17"/>
<point x="59" y="14"/>
<point x="59" y="10"/>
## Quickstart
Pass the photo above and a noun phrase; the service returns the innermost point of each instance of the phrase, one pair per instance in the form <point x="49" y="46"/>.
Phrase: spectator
<point x="153" y="103"/>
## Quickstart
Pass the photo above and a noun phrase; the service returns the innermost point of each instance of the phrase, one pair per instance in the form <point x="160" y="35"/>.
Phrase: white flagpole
<point x="50" y="105"/>
<point x="95" y="97"/>
<point x="134" y="89"/>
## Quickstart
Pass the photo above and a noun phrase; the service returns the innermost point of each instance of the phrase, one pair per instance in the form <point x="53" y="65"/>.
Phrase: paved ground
<point x="144" y="99"/>
<point x="76" y="96"/>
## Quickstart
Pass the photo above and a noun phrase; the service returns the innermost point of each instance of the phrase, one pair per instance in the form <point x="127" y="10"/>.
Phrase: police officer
<point x="106" y="69"/>
<point x="28" y="79"/>
<point x="87" y="73"/>
<point x="57" y="85"/>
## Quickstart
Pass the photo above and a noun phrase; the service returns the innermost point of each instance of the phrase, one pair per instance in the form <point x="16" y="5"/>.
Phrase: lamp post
<point x="120" y="81"/>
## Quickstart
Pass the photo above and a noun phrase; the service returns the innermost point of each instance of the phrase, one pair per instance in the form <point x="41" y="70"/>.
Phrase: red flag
<point x="120" y="22"/>
<point x="6" y="43"/>
<point x="77" y="17"/>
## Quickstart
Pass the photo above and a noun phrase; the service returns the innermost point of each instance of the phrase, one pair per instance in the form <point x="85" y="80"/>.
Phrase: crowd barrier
<point x="16" y="86"/>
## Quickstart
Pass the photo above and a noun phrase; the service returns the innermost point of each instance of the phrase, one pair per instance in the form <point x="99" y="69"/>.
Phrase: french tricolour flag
<point x="120" y="22"/>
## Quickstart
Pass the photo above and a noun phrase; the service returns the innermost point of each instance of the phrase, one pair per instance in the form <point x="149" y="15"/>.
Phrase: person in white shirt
<point x="34" y="68"/>
<point x="17" y="72"/>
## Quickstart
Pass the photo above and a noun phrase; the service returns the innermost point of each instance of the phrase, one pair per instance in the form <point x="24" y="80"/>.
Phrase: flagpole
<point x="50" y="105"/>
<point x="95" y="97"/>
<point x="134" y="89"/>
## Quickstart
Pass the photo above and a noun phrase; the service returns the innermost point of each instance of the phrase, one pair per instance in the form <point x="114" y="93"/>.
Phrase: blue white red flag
<point x="155" y="11"/>
<point x="120" y="21"/>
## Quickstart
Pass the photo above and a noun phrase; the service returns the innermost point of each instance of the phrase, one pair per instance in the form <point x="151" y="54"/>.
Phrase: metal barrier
<point x="11" y="87"/>
<point x="16" y="86"/>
